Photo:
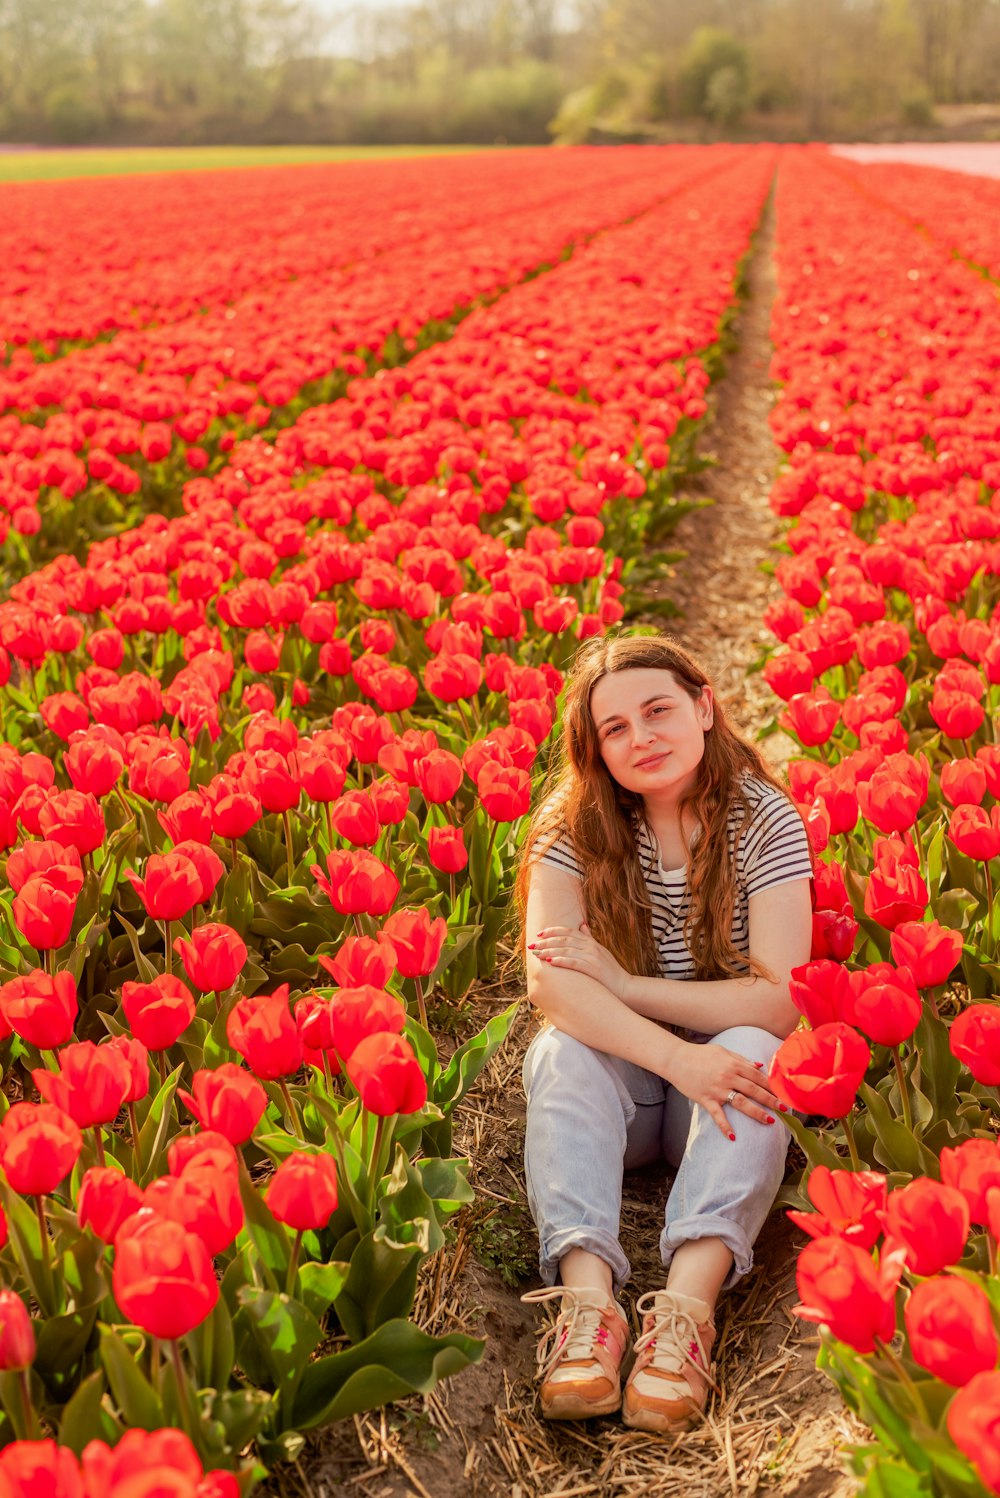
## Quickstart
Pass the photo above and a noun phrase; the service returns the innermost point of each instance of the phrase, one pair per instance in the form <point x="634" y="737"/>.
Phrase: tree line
<point x="189" y="71"/>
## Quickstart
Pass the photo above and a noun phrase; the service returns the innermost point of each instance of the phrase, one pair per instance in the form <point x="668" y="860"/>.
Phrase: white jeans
<point x="590" y="1116"/>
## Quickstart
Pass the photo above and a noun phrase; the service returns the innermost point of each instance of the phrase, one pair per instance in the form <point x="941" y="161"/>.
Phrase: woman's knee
<point x="555" y="1059"/>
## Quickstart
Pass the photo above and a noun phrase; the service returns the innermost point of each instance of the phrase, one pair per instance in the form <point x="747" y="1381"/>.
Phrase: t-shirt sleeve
<point x="561" y="856"/>
<point x="775" y="846"/>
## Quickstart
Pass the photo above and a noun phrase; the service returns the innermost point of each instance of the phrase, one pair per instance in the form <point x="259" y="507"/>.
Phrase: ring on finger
<point x="731" y="1096"/>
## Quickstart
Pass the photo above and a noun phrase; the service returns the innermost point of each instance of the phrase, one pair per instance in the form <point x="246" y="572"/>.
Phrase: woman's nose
<point x="642" y="732"/>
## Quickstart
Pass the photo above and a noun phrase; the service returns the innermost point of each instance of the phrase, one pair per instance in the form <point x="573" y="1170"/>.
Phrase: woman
<point x="665" y="897"/>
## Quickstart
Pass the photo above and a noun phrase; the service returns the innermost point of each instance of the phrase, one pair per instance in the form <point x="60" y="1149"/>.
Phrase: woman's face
<point x="650" y="731"/>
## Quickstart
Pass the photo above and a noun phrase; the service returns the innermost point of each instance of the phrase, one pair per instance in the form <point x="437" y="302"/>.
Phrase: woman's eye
<point x="613" y="729"/>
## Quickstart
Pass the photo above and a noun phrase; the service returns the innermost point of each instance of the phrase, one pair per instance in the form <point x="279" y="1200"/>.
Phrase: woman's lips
<point x="653" y="759"/>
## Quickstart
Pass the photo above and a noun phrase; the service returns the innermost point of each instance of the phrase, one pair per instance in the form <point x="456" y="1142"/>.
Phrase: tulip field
<point x="309" y="489"/>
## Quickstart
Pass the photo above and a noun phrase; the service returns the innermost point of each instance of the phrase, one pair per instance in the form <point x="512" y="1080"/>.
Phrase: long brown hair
<point x="584" y="802"/>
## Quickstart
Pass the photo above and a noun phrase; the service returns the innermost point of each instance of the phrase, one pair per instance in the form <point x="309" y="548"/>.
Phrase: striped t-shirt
<point x="774" y="849"/>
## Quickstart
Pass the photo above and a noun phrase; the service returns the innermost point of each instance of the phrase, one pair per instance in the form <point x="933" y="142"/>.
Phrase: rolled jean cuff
<point x="685" y="1230"/>
<point x="592" y="1241"/>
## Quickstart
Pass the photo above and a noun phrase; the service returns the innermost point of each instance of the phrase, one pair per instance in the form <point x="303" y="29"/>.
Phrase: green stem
<point x="289" y="845"/>
<point x="904" y="1091"/>
<point x="293" y="1262"/>
<point x="851" y="1145"/>
<point x="168" y="950"/>
<point x="47" y="1283"/>
<point x="99" y="1145"/>
<point x="31" y="1430"/>
<point x="189" y="1422"/>
<point x="345" y="1186"/>
<point x="991" y="1249"/>
<point x="421" y="1006"/>
<point x="291" y="1112"/>
<point x="896" y="1364"/>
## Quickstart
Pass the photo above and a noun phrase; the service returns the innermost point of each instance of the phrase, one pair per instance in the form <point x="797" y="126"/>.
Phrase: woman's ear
<point x="706" y="707"/>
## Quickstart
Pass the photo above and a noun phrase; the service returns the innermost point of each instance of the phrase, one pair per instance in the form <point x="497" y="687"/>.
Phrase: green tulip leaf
<point x="446" y="1182"/>
<point x="86" y="1418"/>
<point x="135" y="1396"/>
<point x="396" y="1360"/>
<point x="321" y="1284"/>
<point x="155" y="1129"/>
<point x="284" y="1334"/>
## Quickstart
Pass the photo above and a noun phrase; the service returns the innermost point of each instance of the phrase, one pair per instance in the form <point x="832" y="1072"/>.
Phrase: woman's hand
<point x="708" y="1073"/>
<point x="575" y="948"/>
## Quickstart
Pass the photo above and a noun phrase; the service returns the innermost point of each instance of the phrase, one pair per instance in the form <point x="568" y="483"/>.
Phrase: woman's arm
<point x="577" y="1003"/>
<point x="583" y="1006"/>
<point x="780" y="938"/>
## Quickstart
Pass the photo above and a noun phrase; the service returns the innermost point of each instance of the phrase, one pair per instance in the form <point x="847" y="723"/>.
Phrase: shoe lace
<point x="573" y="1334"/>
<point x="672" y="1333"/>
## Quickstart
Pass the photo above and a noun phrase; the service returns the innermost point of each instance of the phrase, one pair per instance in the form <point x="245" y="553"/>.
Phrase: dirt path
<point x="778" y="1423"/>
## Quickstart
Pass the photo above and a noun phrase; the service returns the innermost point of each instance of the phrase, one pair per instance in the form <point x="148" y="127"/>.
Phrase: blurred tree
<point x="713" y="75"/>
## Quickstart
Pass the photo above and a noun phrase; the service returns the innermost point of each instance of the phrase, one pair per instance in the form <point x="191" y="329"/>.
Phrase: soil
<point x="778" y="1425"/>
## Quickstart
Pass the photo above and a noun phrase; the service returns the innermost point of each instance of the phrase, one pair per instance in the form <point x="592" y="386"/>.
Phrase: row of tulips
<point x="181" y="243"/>
<point x="260" y="791"/>
<point x="889" y="666"/>
<point x="958" y="211"/>
<point x="113" y="429"/>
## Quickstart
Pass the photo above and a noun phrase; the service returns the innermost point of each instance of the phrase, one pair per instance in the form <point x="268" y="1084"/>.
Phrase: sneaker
<point x="580" y="1355"/>
<point x="669" y="1383"/>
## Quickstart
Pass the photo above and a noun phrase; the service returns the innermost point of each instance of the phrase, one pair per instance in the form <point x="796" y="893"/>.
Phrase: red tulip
<point x="163" y="1278"/>
<point x="974" y="1039"/>
<point x="446" y="849"/>
<point x="361" y="960"/>
<point x="73" y="818"/>
<point x="105" y="1200"/>
<point x="39" y="1145"/>
<point x="973" y="1168"/>
<point x="39" y="1469"/>
<point x="213" y="958"/>
<point x="973" y="1421"/>
<point x="91" y="1084"/>
<point x="171" y="888"/>
<point x="37" y="858"/>
<point x="158" y="1012"/>
<point x="848" y="1205"/>
<point x="820" y="1071"/>
<point x="822" y="992"/>
<point x="885" y="1004"/>
<point x="387" y="1075"/>
<point x="262" y="1029"/>
<point x="303" y="1191"/>
<point x="45" y="905"/>
<point x="41" y="1008"/>
<point x="929" y="950"/>
<point x="359" y="883"/>
<point x="895" y="891"/>
<point x="438" y="775"/>
<point x="931" y="1221"/>
<point x="357" y="1013"/>
<point x="811" y="717"/>
<point x="94" y="766"/>
<point x="228" y="1100"/>
<point x="355" y="818"/>
<point x="504" y="792"/>
<point x="949" y="1324"/>
<point x="844" y="1289"/>
<point x="417" y="940"/>
<point x="201" y="1200"/>
<point x="17" y="1333"/>
<point x="976" y="832"/>
<point x="208" y="1150"/>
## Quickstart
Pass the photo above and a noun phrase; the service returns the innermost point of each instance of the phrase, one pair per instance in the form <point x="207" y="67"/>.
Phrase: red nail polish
<point x="758" y="1064"/>
<point x="782" y="1108"/>
<point x="770" y="1119"/>
<point x="732" y="1138"/>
